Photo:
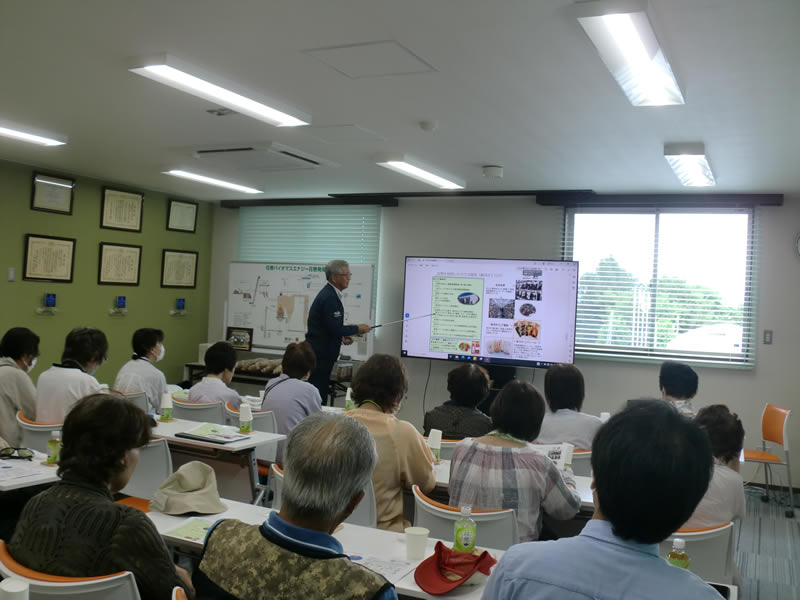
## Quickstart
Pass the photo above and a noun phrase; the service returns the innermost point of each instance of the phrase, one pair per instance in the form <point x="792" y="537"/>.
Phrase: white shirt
<point x="139" y="375"/>
<point x="338" y="291"/>
<point x="723" y="502"/>
<point x="569" y="426"/>
<point x="59" y="389"/>
<point x="212" y="389"/>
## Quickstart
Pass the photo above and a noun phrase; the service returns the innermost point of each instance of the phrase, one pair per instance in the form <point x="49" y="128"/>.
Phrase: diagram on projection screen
<point x="274" y="299"/>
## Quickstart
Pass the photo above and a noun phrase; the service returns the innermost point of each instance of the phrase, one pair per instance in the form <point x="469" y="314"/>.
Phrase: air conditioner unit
<point x="262" y="156"/>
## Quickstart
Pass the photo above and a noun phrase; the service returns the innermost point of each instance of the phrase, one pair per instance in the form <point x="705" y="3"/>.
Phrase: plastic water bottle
<point x="166" y="406"/>
<point x="465" y="531"/>
<point x="245" y="417"/>
<point x="348" y="399"/>
<point x="54" y="447"/>
<point x="677" y="556"/>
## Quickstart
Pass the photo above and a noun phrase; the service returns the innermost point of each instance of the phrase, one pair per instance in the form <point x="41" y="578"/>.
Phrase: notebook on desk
<point x="211" y="432"/>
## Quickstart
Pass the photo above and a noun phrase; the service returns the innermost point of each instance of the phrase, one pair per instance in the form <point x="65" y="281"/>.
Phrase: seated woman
<point x="220" y="359"/>
<point x="404" y="459"/>
<point x="724" y="499"/>
<point x="74" y="528"/>
<point x="502" y="470"/>
<point x="564" y="422"/>
<point x="289" y="396"/>
<point x="458" y="417"/>
<point x="139" y="374"/>
<point x="63" y="384"/>
<point x="18" y="351"/>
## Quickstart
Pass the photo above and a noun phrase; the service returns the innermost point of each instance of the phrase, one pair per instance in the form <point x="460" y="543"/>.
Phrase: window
<point x="658" y="283"/>
<point x="311" y="234"/>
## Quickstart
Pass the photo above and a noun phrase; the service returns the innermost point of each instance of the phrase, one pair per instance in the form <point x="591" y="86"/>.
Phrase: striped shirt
<point x="494" y="477"/>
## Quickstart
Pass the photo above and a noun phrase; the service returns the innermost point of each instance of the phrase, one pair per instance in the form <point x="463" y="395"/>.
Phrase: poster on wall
<point x="49" y="258"/>
<point x="119" y="264"/>
<point x="121" y="210"/>
<point x="178" y="269"/>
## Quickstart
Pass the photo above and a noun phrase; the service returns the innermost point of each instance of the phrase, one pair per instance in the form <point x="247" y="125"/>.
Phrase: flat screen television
<point x="490" y="311"/>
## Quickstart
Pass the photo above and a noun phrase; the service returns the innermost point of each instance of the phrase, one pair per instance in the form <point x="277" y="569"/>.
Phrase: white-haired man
<point x="328" y="463"/>
<point x="326" y="329"/>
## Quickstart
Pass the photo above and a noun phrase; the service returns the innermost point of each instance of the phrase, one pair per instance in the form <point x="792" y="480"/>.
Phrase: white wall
<point x="519" y="228"/>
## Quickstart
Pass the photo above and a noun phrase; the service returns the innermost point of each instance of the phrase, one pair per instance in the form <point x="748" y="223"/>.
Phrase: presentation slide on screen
<point x="513" y="312"/>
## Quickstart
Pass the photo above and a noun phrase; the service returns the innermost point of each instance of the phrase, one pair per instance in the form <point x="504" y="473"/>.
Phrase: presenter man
<point x="326" y="329"/>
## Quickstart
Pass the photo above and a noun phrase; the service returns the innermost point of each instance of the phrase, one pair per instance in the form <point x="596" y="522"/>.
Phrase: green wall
<point x="85" y="303"/>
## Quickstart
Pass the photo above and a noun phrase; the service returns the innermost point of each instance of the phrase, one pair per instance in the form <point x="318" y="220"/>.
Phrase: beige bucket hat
<point x="192" y="488"/>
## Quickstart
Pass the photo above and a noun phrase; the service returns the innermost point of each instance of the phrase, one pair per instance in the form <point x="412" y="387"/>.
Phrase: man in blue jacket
<point x="326" y="329"/>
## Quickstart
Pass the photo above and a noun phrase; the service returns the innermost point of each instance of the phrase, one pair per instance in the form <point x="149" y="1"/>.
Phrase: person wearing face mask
<point x="379" y="386"/>
<point x="63" y="384"/>
<point x="220" y="359"/>
<point x="19" y="349"/>
<point x="140" y="374"/>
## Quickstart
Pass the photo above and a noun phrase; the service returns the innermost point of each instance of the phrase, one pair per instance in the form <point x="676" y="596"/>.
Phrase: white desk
<point x="234" y="463"/>
<point x="582" y="483"/>
<point x="167" y="430"/>
<point x="43" y="474"/>
<point x="356" y="540"/>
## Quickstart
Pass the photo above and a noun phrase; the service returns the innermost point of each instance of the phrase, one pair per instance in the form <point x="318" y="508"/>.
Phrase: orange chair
<point x="775" y="429"/>
<point x="117" y="586"/>
<point x="35" y="434"/>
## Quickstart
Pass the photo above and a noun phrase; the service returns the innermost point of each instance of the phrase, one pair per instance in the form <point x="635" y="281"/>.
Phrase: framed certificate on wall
<point x="178" y="268"/>
<point x="49" y="258"/>
<point x="182" y="216"/>
<point x="121" y="210"/>
<point x="52" y="194"/>
<point x="119" y="264"/>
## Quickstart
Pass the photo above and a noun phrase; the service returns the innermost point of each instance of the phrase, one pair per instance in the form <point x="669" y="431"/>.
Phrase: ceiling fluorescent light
<point x="192" y="80"/>
<point x="625" y="40"/>
<point x="690" y="164"/>
<point x="16" y="132"/>
<point x="403" y="164"/>
<point x="212" y="181"/>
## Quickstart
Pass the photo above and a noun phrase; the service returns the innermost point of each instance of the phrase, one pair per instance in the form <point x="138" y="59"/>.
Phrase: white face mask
<point x="32" y="364"/>
<point x="161" y="353"/>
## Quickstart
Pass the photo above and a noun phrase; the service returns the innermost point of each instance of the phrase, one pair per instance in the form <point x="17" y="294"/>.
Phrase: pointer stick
<point x="403" y="320"/>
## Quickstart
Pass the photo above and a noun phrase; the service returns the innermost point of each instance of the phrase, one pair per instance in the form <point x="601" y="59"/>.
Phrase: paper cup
<point x="14" y="589"/>
<point x="416" y="542"/>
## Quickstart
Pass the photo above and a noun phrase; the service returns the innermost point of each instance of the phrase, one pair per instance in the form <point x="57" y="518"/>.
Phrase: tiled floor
<point x="768" y="551"/>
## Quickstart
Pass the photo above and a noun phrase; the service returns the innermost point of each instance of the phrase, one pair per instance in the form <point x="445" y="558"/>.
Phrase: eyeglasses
<point x="21" y="453"/>
<point x="348" y="275"/>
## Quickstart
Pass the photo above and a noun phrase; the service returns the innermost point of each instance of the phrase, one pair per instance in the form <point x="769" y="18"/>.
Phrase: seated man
<point x="651" y="467"/>
<point x="678" y="384"/>
<point x="220" y="361"/>
<point x="329" y="461"/>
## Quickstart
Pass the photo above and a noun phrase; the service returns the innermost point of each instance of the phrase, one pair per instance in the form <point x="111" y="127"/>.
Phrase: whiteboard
<point x="274" y="299"/>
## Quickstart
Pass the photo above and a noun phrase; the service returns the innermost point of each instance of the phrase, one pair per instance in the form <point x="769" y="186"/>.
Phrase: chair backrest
<point x="710" y="550"/>
<point x="36" y="434"/>
<point x="496" y="528"/>
<point x="276" y="481"/>
<point x="582" y="463"/>
<point x="118" y="586"/>
<point x="263" y="421"/>
<point x="206" y="412"/>
<point x="138" y="398"/>
<point x="155" y="465"/>
<point x="774" y="422"/>
<point x="366" y="513"/>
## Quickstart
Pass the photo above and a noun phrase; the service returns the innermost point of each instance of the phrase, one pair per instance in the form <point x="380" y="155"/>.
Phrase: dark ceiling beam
<point x="327" y="201"/>
<point x="708" y="200"/>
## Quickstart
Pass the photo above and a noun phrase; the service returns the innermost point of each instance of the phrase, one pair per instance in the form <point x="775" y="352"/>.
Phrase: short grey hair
<point x="335" y="267"/>
<point x="329" y="459"/>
